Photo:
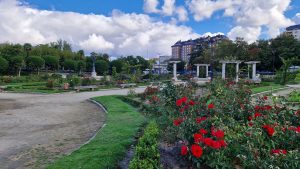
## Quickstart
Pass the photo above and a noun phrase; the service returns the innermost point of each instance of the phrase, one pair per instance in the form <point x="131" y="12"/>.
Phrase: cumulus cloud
<point x="150" y="6"/>
<point x="95" y="43"/>
<point x="248" y="15"/>
<point x="118" y="34"/>
<point x="182" y="14"/>
<point x="297" y="18"/>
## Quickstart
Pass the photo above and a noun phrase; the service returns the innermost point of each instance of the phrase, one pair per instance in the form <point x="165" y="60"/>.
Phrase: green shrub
<point x="50" y="83"/>
<point x="75" y="81"/>
<point x="146" y="152"/>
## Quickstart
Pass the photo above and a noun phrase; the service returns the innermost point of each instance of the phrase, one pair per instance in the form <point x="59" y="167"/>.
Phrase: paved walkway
<point x="36" y="128"/>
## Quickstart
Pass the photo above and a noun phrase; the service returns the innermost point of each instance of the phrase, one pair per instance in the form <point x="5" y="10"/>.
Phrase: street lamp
<point x="273" y="55"/>
<point x="211" y="43"/>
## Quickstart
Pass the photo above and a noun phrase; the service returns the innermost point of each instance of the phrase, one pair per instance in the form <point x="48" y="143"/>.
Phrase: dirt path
<point x="35" y="129"/>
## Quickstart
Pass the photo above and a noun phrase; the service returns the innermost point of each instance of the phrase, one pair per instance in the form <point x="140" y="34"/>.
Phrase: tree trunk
<point x="38" y="71"/>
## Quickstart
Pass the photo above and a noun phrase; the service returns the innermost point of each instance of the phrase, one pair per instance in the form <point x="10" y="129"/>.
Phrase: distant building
<point x="182" y="49"/>
<point x="162" y="64"/>
<point x="294" y="30"/>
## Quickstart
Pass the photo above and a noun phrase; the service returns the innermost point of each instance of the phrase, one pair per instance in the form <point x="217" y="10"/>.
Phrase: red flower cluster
<point x="211" y="106"/>
<point x="266" y="107"/>
<point x="218" y="133"/>
<point x="196" y="150"/>
<point x="278" y="152"/>
<point x="210" y="142"/>
<point x="265" y="97"/>
<point x="180" y="102"/>
<point x="269" y="129"/>
<point x="177" y="122"/>
<point x="200" y="119"/>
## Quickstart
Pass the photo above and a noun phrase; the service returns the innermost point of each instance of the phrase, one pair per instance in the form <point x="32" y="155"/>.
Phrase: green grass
<point x="266" y="87"/>
<point x="111" y="143"/>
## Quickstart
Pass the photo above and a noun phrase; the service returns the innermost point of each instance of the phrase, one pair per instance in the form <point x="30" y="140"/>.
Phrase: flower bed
<point x="224" y="129"/>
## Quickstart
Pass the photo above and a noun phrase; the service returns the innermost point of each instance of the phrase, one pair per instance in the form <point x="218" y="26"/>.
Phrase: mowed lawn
<point x="111" y="143"/>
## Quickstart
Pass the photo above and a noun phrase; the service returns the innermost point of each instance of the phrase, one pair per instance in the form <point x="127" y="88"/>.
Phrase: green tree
<point x="70" y="65"/>
<point x="35" y="63"/>
<point x="3" y="65"/>
<point x="118" y="64"/>
<point x="17" y="63"/>
<point x="101" y="66"/>
<point x="27" y="48"/>
<point x="51" y="62"/>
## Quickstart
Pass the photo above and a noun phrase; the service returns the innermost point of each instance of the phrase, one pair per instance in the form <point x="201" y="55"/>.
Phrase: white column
<point x="206" y="71"/>
<point x="198" y="71"/>
<point x="175" y="71"/>
<point x="223" y="70"/>
<point x="254" y="71"/>
<point x="237" y="72"/>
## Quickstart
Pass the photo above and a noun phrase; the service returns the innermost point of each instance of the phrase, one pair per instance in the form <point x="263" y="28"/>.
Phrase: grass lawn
<point x="33" y="87"/>
<point x="266" y="87"/>
<point x="109" y="146"/>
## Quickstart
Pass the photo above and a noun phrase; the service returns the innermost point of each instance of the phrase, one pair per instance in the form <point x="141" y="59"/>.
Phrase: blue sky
<point x="216" y="23"/>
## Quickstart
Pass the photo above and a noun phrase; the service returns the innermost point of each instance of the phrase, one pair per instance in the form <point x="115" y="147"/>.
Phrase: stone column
<point x="237" y="72"/>
<point x="198" y="73"/>
<point x="223" y="71"/>
<point x="175" y="71"/>
<point x="254" y="71"/>
<point x="206" y="71"/>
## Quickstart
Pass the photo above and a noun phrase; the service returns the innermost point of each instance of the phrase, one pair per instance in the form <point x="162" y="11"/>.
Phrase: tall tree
<point x="3" y="65"/>
<point x="35" y="63"/>
<point x="17" y="63"/>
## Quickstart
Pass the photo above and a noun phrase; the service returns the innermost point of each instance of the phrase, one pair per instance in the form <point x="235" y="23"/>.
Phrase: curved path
<point x="35" y="128"/>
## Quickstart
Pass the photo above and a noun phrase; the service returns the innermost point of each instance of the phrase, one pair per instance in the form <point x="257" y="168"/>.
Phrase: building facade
<point x="294" y="30"/>
<point x="182" y="50"/>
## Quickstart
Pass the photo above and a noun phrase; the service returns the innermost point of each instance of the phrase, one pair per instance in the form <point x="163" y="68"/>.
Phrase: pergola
<point x="253" y="63"/>
<point x="224" y="62"/>
<point x="198" y="68"/>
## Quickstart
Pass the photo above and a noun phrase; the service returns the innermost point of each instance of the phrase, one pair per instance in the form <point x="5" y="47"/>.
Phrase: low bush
<point x="146" y="152"/>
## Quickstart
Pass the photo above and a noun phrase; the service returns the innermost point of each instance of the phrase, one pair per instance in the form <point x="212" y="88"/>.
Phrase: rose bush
<point x="226" y="129"/>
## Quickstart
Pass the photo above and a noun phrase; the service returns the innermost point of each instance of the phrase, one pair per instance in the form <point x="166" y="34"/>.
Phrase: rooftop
<point x="294" y="27"/>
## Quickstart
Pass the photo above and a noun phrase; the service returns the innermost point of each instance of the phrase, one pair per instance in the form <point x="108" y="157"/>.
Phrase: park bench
<point x="2" y="88"/>
<point x="127" y="85"/>
<point x="91" y="88"/>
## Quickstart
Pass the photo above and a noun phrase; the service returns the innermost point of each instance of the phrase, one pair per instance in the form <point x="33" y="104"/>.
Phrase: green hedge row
<point x="146" y="152"/>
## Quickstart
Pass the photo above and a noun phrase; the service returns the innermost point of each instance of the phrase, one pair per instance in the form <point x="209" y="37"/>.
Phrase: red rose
<point x="298" y="129"/>
<point x="200" y="119"/>
<point x="181" y="110"/>
<point x="284" y="152"/>
<point x="223" y="143"/>
<point x="250" y="124"/>
<point x="184" y="150"/>
<point x="203" y="131"/>
<point x="270" y="130"/>
<point x="177" y="122"/>
<point x="257" y="114"/>
<point x="191" y="103"/>
<point x="208" y="141"/>
<point x="250" y="118"/>
<point x="197" y="138"/>
<point x="216" y="145"/>
<point x="219" y="134"/>
<point x="267" y="107"/>
<point x="179" y="102"/>
<point x="196" y="150"/>
<point x="265" y="97"/>
<point x="257" y="108"/>
<point x="211" y="106"/>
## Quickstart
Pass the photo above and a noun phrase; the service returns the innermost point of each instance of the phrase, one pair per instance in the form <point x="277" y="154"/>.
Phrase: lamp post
<point x="211" y="42"/>
<point x="273" y="56"/>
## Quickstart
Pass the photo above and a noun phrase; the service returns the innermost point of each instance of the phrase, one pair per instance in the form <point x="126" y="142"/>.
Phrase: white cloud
<point x="247" y="15"/>
<point x="297" y="18"/>
<point x="168" y="7"/>
<point x="249" y="34"/>
<point x="119" y="34"/>
<point x="150" y="6"/>
<point x="96" y="43"/>
<point x="212" y="34"/>
<point x="182" y="14"/>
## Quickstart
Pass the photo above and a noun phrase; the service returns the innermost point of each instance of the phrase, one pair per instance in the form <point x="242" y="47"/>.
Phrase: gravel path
<point x="35" y="129"/>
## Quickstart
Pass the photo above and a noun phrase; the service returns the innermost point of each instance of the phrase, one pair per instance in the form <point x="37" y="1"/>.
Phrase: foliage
<point x="294" y="96"/>
<point x="75" y="81"/>
<point x="51" y="62"/>
<point x="101" y="67"/>
<point x="70" y="65"/>
<point x="3" y="65"/>
<point x="146" y="152"/>
<point x="35" y="62"/>
<point x="17" y="63"/>
<point x="50" y="83"/>
<point x="111" y="142"/>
